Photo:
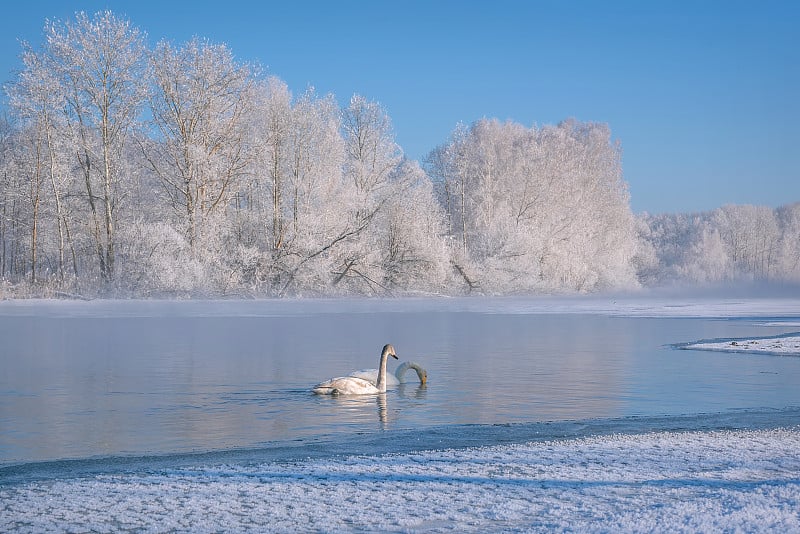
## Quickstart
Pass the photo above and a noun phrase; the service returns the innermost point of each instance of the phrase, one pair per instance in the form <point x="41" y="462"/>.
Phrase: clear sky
<point x="703" y="95"/>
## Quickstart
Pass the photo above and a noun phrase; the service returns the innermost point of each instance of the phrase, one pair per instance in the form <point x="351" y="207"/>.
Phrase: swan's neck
<point x="420" y="373"/>
<point x="400" y="371"/>
<point x="381" y="383"/>
<point x="405" y="366"/>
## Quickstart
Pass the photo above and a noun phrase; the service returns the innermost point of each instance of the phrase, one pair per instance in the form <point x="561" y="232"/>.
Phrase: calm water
<point x="139" y="378"/>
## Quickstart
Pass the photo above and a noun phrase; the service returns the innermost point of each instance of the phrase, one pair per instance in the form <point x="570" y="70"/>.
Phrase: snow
<point x="627" y="305"/>
<point x="782" y="345"/>
<point x="735" y="480"/>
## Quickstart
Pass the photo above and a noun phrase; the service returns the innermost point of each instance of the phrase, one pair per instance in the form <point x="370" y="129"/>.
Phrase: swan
<point x="396" y="378"/>
<point x="351" y="385"/>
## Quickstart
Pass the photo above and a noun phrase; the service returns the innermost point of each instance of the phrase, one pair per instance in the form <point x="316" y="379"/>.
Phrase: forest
<point x="174" y="170"/>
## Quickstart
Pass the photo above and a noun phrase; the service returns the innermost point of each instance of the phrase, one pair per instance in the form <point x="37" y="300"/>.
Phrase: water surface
<point x="104" y="379"/>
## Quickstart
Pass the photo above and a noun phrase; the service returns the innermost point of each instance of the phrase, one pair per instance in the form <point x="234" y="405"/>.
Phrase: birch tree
<point x="101" y="64"/>
<point x="372" y="157"/>
<point x="14" y="217"/>
<point x="37" y="99"/>
<point x="276" y="124"/>
<point x="200" y="106"/>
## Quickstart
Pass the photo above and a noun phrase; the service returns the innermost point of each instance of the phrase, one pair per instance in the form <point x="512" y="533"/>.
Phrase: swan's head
<point x="423" y="376"/>
<point x="388" y="350"/>
<point x="421" y="373"/>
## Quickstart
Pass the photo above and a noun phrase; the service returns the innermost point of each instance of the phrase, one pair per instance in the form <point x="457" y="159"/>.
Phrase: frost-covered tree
<point x="751" y="236"/>
<point x="395" y="226"/>
<point x="277" y="152"/>
<point x="788" y="263"/>
<point x="38" y="102"/>
<point x="372" y="157"/>
<point x="707" y="260"/>
<point x="414" y="256"/>
<point x="14" y="212"/>
<point x="201" y="105"/>
<point x="100" y="63"/>
<point x="298" y="195"/>
<point x="537" y="208"/>
<point x="371" y="149"/>
<point x="732" y="243"/>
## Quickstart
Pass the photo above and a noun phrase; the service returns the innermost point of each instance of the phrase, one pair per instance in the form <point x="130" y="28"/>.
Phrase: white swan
<point x="350" y="385"/>
<point x="396" y="378"/>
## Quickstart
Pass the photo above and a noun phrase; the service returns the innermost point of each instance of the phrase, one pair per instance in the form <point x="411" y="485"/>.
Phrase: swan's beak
<point x="393" y="355"/>
<point x="424" y="379"/>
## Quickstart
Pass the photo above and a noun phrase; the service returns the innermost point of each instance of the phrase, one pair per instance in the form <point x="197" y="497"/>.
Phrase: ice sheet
<point x="783" y="345"/>
<point x="743" y="480"/>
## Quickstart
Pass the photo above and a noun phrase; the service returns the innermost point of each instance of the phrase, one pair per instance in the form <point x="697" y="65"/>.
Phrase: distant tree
<point x="751" y="237"/>
<point x="732" y="243"/>
<point x="707" y="259"/>
<point x="789" y="243"/>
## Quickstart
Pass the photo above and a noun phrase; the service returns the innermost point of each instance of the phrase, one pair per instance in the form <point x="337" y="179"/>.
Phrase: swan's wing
<point x="345" y="385"/>
<point x="366" y="374"/>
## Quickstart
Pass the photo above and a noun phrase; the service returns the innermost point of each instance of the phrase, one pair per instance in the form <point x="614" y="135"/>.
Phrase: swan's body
<point x="351" y="385"/>
<point x="371" y="375"/>
<point x="396" y="378"/>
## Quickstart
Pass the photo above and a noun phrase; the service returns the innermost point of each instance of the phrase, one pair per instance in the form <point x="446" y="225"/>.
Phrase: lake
<point x="149" y="378"/>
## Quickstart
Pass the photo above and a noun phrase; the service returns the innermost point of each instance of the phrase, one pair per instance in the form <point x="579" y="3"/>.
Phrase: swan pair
<point x="369" y="381"/>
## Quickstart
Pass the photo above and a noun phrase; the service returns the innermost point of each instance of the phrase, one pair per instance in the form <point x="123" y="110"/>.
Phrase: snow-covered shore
<point x="627" y="305"/>
<point x="788" y="345"/>
<point x="709" y="481"/>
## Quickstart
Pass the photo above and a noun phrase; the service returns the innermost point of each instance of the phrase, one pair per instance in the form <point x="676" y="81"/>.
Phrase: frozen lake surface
<point x="538" y="414"/>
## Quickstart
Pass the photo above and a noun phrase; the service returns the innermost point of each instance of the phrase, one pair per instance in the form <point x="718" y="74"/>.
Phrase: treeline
<point x="176" y="170"/>
<point x="732" y="243"/>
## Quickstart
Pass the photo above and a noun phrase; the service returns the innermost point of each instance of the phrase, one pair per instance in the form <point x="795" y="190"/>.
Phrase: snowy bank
<point x="784" y="345"/>
<point x="669" y="481"/>
<point x="629" y="305"/>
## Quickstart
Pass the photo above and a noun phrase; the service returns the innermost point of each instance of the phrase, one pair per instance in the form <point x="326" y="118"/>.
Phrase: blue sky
<point x="703" y="95"/>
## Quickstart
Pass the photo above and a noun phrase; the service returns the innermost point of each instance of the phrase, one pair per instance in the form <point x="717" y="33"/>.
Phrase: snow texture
<point x="701" y="481"/>
<point x="783" y="345"/>
<point x="629" y="305"/>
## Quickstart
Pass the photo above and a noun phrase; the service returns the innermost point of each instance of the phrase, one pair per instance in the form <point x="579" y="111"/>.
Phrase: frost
<point x="671" y="481"/>
<point x="788" y="345"/>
